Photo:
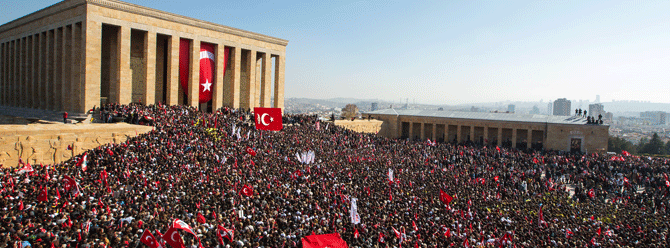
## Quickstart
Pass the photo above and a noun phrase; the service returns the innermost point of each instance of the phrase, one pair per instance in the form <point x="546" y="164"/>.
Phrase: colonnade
<point x="484" y="134"/>
<point x="70" y="67"/>
<point x="43" y="69"/>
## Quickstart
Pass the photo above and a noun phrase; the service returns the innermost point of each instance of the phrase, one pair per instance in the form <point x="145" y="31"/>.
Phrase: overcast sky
<point x="450" y="52"/>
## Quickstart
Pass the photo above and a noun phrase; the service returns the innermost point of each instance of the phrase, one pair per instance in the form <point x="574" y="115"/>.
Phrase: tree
<point x="616" y="144"/>
<point x="349" y="111"/>
<point x="655" y="145"/>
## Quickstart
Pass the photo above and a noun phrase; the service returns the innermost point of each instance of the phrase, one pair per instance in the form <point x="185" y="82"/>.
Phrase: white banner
<point x="355" y="218"/>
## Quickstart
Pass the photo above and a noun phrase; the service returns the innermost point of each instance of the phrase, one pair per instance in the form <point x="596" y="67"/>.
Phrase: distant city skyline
<point x="452" y="52"/>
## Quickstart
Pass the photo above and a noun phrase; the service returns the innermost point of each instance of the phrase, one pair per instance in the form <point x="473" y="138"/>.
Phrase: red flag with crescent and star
<point x="173" y="238"/>
<point x="268" y="119"/>
<point x="149" y="240"/>
<point x="445" y="198"/>
<point x="207" y="67"/>
<point x="207" y="62"/>
<point x="180" y="224"/>
<point x="246" y="191"/>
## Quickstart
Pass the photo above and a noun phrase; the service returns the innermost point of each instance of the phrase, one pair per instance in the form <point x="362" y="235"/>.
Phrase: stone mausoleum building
<point x="78" y="54"/>
<point x="563" y="133"/>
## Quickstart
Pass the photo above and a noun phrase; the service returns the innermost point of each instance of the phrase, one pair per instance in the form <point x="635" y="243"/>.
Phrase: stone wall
<point x="48" y="143"/>
<point x="593" y="138"/>
<point x="363" y="126"/>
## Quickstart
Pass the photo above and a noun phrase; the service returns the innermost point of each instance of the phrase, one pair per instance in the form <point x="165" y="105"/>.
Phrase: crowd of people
<point x="215" y="169"/>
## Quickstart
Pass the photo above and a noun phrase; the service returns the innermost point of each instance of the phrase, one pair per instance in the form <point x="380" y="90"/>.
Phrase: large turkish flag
<point x="207" y="67"/>
<point x="324" y="240"/>
<point x="149" y="240"/>
<point x="268" y="119"/>
<point x="172" y="238"/>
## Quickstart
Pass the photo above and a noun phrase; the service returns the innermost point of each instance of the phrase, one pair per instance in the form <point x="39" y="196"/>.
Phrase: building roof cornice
<point x="140" y="10"/>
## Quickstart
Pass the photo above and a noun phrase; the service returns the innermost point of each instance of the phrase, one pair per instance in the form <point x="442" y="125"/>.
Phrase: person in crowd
<point x="274" y="188"/>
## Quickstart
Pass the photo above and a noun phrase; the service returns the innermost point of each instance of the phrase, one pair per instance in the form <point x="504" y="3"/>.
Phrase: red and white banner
<point x="268" y="119"/>
<point x="333" y="240"/>
<point x="246" y="191"/>
<point x="149" y="240"/>
<point x="173" y="238"/>
<point x="82" y="162"/>
<point x="180" y="224"/>
<point x="445" y="198"/>
<point x="43" y="196"/>
<point x="207" y="69"/>
<point x="224" y="232"/>
<point x="207" y="62"/>
<point x="26" y="168"/>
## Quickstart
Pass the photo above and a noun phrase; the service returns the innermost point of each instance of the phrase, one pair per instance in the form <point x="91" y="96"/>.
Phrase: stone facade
<point x="553" y="136"/>
<point x="48" y="143"/>
<point x="75" y="54"/>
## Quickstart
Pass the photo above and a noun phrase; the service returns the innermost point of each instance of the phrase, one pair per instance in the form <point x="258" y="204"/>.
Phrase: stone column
<point x="25" y="83"/>
<point x="459" y="137"/>
<point x="51" y="83"/>
<point x="2" y="73"/>
<point x="90" y="33"/>
<point x="15" y="78"/>
<point x="58" y="70"/>
<point x="22" y="69"/>
<point x="67" y="71"/>
<point x="258" y="80"/>
<point x="266" y="81"/>
<point x="150" y="62"/>
<point x="529" y="138"/>
<point x="35" y="77"/>
<point x="422" y="135"/>
<point x="499" y="143"/>
<point x="42" y="79"/>
<point x="10" y="74"/>
<point x="411" y="130"/>
<point x="486" y="135"/>
<point x="75" y="67"/>
<point x="124" y="88"/>
<point x="446" y="133"/>
<point x="514" y="134"/>
<point x="249" y="94"/>
<point x="434" y="131"/>
<point x="172" y="90"/>
<point x="7" y="74"/>
<point x="194" y="80"/>
<point x="472" y="133"/>
<point x="17" y="74"/>
<point x="279" y="82"/>
<point x="217" y="90"/>
<point x="232" y="96"/>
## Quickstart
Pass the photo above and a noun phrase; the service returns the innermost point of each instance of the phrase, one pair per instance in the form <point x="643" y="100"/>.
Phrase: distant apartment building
<point x="608" y="117"/>
<point x="535" y="111"/>
<point x="375" y="106"/>
<point x="596" y="109"/>
<point x="562" y="107"/>
<point x="511" y="108"/>
<point x="550" y="108"/>
<point x="655" y="117"/>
